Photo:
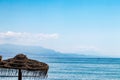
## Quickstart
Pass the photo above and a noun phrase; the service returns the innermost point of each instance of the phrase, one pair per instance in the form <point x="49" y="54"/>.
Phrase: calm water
<point x="81" y="69"/>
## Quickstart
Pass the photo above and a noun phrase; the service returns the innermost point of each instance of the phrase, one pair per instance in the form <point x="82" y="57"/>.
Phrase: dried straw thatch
<point x="20" y="63"/>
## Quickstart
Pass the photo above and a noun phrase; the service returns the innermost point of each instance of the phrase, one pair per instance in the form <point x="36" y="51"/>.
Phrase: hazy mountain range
<point x="8" y="50"/>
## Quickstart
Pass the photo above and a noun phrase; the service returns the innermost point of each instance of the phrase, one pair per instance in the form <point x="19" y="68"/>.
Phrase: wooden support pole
<point x="19" y="75"/>
<point x="0" y="58"/>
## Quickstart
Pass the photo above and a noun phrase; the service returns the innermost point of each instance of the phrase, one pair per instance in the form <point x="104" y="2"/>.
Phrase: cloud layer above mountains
<point x="24" y="37"/>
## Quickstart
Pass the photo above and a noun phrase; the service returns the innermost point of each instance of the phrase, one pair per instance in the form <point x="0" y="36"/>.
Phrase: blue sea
<point x="62" y="68"/>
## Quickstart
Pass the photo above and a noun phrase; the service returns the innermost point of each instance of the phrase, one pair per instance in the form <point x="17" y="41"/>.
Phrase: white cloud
<point x="83" y="49"/>
<point x="87" y="48"/>
<point x="24" y="37"/>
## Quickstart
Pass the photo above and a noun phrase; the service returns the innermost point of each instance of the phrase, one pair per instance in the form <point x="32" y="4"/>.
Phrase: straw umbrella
<point x="23" y="66"/>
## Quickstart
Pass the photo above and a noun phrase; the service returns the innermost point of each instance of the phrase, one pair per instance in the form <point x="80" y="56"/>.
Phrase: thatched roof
<point x="21" y="61"/>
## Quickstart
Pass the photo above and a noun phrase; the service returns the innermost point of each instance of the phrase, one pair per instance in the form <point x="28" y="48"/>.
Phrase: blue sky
<point x="63" y="25"/>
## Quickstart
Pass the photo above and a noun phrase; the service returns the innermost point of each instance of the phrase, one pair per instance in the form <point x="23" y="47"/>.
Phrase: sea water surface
<point x="68" y="68"/>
